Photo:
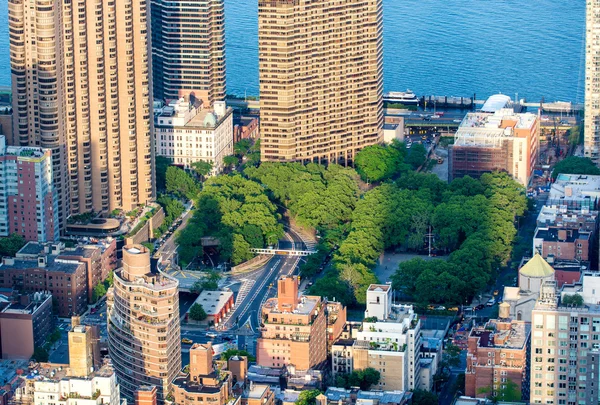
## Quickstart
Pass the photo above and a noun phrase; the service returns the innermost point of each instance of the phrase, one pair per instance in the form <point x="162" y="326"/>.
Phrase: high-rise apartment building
<point x="321" y="74"/>
<point x="188" y="49"/>
<point x="28" y="203"/>
<point x="565" y="343"/>
<point x="81" y="86"/>
<point x="592" y="81"/>
<point x="294" y="331"/>
<point x="143" y="325"/>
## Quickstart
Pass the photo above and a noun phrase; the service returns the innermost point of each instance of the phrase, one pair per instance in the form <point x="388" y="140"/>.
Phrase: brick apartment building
<point x="497" y="353"/>
<point x="25" y="323"/>
<point x="69" y="274"/>
<point x="294" y="331"/>
<point x="564" y="244"/>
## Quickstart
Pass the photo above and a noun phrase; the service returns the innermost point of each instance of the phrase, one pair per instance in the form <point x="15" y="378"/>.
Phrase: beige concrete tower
<point x="321" y="74"/>
<point x="187" y="60"/>
<point x="143" y="325"/>
<point x="81" y="349"/>
<point x="592" y="81"/>
<point x="35" y="67"/>
<point x="81" y="81"/>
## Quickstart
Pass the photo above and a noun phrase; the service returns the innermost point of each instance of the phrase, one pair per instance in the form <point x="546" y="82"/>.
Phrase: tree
<point x="181" y="183"/>
<point x="161" y="164"/>
<point x="10" y="245"/>
<point x="452" y="355"/>
<point x="378" y="162"/>
<point x="508" y="392"/>
<point x="417" y="155"/>
<point x="229" y="161"/>
<point x="197" y="313"/>
<point x="308" y="397"/>
<point x="40" y="354"/>
<point x="242" y="147"/>
<point x="358" y="378"/>
<point x="575" y="165"/>
<point x="574" y="300"/>
<point x="99" y="292"/>
<point x="234" y="352"/>
<point x="202" y="168"/>
<point x="422" y="397"/>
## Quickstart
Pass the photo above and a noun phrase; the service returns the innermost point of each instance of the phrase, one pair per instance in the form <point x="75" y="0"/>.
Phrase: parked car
<point x="211" y="335"/>
<point x="186" y="341"/>
<point x="479" y="307"/>
<point x="491" y="302"/>
<point x="440" y="308"/>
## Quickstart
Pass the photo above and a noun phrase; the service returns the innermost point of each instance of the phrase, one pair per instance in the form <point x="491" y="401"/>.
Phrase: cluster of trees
<point x="235" y="352"/>
<point x="475" y="217"/>
<point x="210" y="283"/>
<point x="574" y="300"/>
<point x="180" y="183"/>
<point x="358" y="378"/>
<point x="173" y="209"/>
<point x="102" y="287"/>
<point x="197" y="313"/>
<point x="238" y="213"/>
<point x="308" y="397"/>
<point x="10" y="245"/>
<point x="382" y="162"/>
<point x="575" y="165"/>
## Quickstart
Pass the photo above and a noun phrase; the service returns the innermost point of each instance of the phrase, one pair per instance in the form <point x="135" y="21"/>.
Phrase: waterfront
<point x="455" y="47"/>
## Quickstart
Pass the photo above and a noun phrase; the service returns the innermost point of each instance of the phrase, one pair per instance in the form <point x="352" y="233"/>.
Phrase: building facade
<point x="502" y="140"/>
<point x="25" y="324"/>
<point x="389" y="340"/>
<point x="188" y="49"/>
<point x="321" y="88"/>
<point x="81" y="87"/>
<point x="565" y="244"/>
<point x="497" y="353"/>
<point x="294" y="330"/>
<point x="592" y="81"/>
<point x="204" y="383"/>
<point x="26" y="180"/>
<point x="144" y="339"/>
<point x="186" y="133"/>
<point x="564" y="344"/>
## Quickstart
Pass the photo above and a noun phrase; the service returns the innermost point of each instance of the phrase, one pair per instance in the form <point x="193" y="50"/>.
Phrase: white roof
<point x="495" y="103"/>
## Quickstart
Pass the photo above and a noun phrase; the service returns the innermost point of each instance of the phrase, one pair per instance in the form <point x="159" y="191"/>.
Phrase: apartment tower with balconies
<point x="188" y="49"/>
<point x="592" y="81"/>
<point x="81" y="87"/>
<point x="321" y="82"/>
<point x="143" y="325"/>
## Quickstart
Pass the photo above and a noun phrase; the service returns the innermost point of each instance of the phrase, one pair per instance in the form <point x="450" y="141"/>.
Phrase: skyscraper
<point x="321" y="73"/>
<point x="143" y="325"/>
<point x="81" y="86"/>
<point x="188" y="49"/>
<point x="592" y="81"/>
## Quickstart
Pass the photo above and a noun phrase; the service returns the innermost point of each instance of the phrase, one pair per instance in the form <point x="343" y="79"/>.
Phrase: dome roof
<point x="537" y="267"/>
<point x="210" y="120"/>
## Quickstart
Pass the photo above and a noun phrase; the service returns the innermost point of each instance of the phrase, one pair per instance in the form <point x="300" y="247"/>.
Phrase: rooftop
<point x="503" y="334"/>
<point x="53" y="264"/>
<point x="213" y="301"/>
<point x="306" y="306"/>
<point x="488" y="129"/>
<point x="496" y="102"/>
<point x="344" y="342"/>
<point x="379" y="287"/>
<point x="561" y="235"/>
<point x="256" y="391"/>
<point x="195" y="387"/>
<point x="537" y="267"/>
<point x="335" y="394"/>
<point x="570" y="188"/>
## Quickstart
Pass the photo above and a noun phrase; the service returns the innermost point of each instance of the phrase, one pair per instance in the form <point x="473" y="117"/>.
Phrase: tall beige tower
<point x="81" y="86"/>
<point x="81" y="349"/>
<point x="592" y="81"/>
<point x="143" y="325"/>
<point x="321" y="74"/>
<point x="187" y="60"/>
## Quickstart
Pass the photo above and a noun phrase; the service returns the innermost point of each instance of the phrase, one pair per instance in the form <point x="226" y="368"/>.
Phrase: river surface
<point x="439" y="47"/>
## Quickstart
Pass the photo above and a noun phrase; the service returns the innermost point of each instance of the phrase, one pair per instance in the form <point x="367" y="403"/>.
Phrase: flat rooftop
<point x="574" y="187"/>
<point x="213" y="301"/>
<point x="552" y="235"/>
<point x="481" y="128"/>
<point x="306" y="306"/>
<point x="256" y="391"/>
<point x="506" y="335"/>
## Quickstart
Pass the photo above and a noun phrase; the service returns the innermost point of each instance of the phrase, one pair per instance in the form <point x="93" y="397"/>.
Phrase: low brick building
<point x="497" y="353"/>
<point x="564" y="244"/>
<point x="216" y="304"/>
<point x="25" y="323"/>
<point x="69" y="274"/>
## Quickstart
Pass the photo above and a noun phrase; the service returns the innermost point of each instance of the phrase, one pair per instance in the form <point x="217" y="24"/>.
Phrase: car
<point x="479" y="307"/>
<point x="435" y="116"/>
<point x="211" y="335"/>
<point x="440" y="308"/>
<point x="468" y="309"/>
<point x="457" y="121"/>
<point x="453" y="309"/>
<point x="491" y="302"/>
<point x="186" y="341"/>
<point x="495" y="292"/>
<point x="93" y="311"/>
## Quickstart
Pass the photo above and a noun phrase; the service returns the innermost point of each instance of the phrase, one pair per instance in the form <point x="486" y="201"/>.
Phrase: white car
<point x="491" y="302"/>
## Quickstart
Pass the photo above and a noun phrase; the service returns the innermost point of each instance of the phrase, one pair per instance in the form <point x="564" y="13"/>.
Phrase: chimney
<point x="42" y="261"/>
<point x="562" y="234"/>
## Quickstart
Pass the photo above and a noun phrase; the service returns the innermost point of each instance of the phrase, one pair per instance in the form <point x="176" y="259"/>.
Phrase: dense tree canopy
<point x="377" y="162"/>
<point x="10" y="245"/>
<point x="197" y="313"/>
<point x="161" y="164"/>
<point x="231" y="209"/>
<point x="575" y="165"/>
<point x="179" y="183"/>
<point x="358" y="378"/>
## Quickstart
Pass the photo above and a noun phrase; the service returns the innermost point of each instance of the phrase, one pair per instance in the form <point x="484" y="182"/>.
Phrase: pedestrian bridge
<point x="282" y="252"/>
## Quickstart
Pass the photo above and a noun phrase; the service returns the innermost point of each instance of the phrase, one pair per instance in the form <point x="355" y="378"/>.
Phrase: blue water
<point x="439" y="47"/>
